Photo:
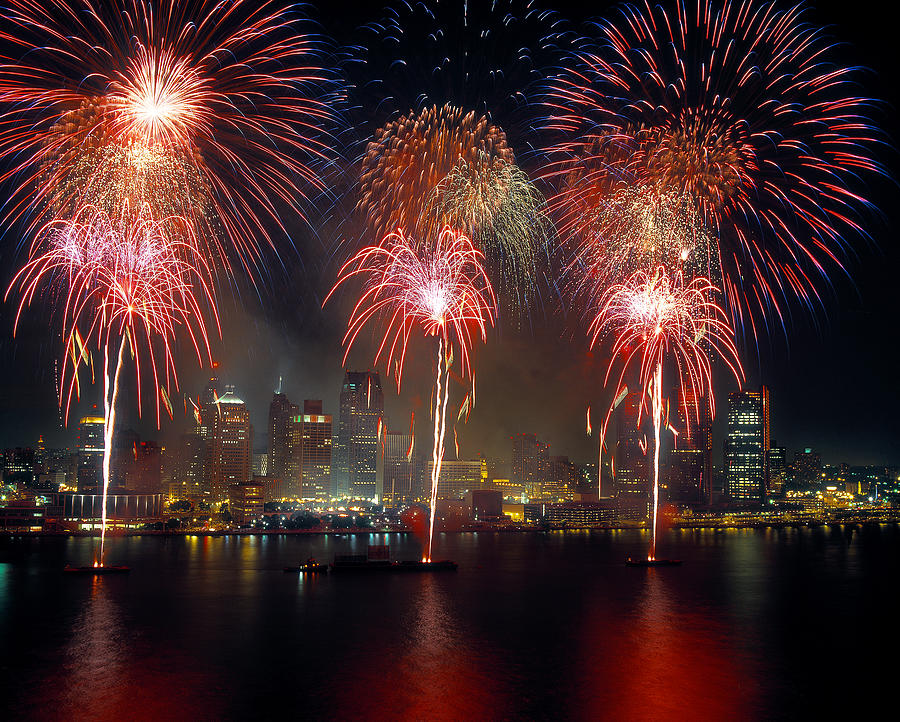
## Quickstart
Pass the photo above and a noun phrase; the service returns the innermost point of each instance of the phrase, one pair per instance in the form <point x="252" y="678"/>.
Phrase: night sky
<point x="833" y="378"/>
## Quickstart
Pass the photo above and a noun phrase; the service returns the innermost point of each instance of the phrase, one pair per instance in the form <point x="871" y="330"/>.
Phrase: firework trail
<point x="735" y="107"/>
<point x="126" y="283"/>
<point x="203" y="110"/>
<point x="658" y="318"/>
<point x="439" y="289"/>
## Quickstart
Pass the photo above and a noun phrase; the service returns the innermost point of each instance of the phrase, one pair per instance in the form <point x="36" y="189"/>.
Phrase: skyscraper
<point x="747" y="445"/>
<point x="529" y="464"/>
<point x="561" y="479"/>
<point x="689" y="470"/>
<point x="632" y="480"/>
<point x="314" y="429"/>
<point x="456" y="478"/>
<point x="362" y="408"/>
<point x="229" y="449"/>
<point x="401" y="469"/>
<point x="777" y="462"/>
<point x="90" y="454"/>
<point x="283" y="456"/>
<point x="808" y="466"/>
<point x="188" y="460"/>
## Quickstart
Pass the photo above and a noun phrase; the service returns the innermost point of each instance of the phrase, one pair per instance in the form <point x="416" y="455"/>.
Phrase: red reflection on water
<point x="107" y="674"/>
<point x="662" y="662"/>
<point x="432" y="672"/>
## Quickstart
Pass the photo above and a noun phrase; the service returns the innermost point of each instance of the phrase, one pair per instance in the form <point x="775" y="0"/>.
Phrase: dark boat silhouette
<point x="652" y="562"/>
<point x="354" y="565"/>
<point x="99" y="569"/>
<point x="311" y="566"/>
<point x="378" y="559"/>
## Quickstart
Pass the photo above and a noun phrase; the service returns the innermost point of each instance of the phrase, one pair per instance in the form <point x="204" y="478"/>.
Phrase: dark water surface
<point x="757" y="624"/>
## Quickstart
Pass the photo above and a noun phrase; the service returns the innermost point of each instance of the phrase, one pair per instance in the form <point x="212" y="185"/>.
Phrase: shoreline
<point x="854" y="525"/>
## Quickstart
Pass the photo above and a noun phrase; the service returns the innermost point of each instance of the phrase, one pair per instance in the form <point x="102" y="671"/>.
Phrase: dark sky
<point x="833" y="381"/>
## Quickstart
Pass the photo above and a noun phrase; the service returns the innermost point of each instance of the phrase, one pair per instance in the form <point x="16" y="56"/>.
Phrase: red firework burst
<point x="736" y="107"/>
<point x="204" y="110"/>
<point x="658" y="318"/>
<point x="440" y="289"/>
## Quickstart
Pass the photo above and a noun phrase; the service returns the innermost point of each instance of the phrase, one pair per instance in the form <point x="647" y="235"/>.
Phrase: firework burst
<point x="500" y="209"/>
<point x="410" y="157"/>
<point x="485" y="56"/>
<point x="447" y="167"/>
<point x="656" y="319"/>
<point x="122" y="282"/>
<point x="438" y="289"/>
<point x="735" y="106"/>
<point x="203" y="110"/>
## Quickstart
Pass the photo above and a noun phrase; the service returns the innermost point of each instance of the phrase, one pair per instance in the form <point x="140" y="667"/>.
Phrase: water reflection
<point x="96" y="655"/>
<point x="661" y="659"/>
<point x="436" y="670"/>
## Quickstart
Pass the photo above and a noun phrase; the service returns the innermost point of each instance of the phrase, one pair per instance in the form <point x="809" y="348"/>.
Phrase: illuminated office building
<point x="747" y="445"/>
<point x="361" y="414"/>
<point x="632" y="480"/>
<point x="808" y="467"/>
<point x="401" y="470"/>
<point x="778" y="469"/>
<point x="456" y="479"/>
<point x="561" y="479"/>
<point x="229" y="449"/>
<point x="529" y="464"/>
<point x="247" y="501"/>
<point x="282" y="454"/>
<point x="90" y="453"/>
<point x="688" y="474"/>
<point x="314" y="438"/>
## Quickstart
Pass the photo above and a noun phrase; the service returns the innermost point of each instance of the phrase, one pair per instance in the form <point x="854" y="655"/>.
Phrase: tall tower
<point x="314" y="430"/>
<point x="362" y="408"/>
<point x="747" y="445"/>
<point x="632" y="478"/>
<point x="230" y="446"/>
<point x="689" y="477"/>
<point x="281" y="463"/>
<point x="401" y="469"/>
<point x="90" y="454"/>
<point x="529" y="464"/>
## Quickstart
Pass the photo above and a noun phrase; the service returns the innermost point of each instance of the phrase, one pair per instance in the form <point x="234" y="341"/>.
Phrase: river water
<point x="757" y="624"/>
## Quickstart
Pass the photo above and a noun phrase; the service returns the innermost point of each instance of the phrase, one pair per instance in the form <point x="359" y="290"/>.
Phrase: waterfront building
<point x="283" y="453"/>
<point x="360" y="420"/>
<point x="456" y="478"/>
<point x="90" y="453"/>
<point x="747" y="445"/>
<point x="776" y="461"/>
<point x="229" y="447"/>
<point x="247" y="501"/>
<point x="529" y="464"/>
<point x="631" y="480"/>
<point x="401" y="469"/>
<point x="808" y="467"/>
<point x="485" y="504"/>
<point x="313" y="432"/>
<point x="82" y="512"/>
<point x="582" y="513"/>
